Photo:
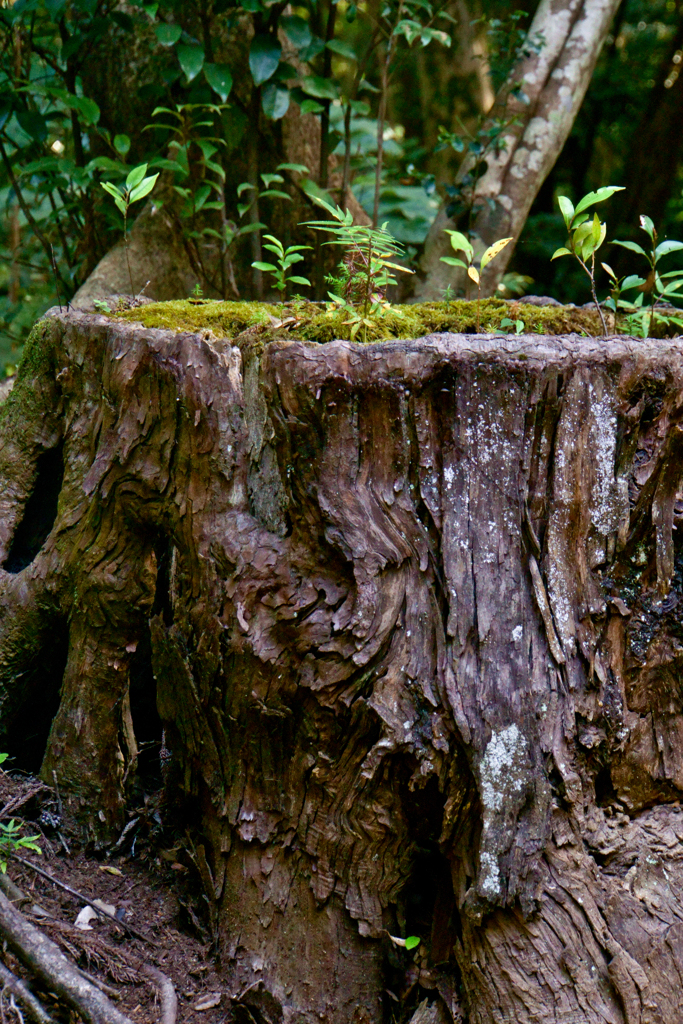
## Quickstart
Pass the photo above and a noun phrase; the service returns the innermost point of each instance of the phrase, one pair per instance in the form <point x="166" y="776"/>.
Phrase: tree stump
<point x="411" y="616"/>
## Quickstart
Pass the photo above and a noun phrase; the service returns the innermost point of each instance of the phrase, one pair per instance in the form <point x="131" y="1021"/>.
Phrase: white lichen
<point x="501" y="770"/>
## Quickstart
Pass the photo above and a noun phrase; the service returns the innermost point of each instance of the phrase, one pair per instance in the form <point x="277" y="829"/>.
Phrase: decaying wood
<point x="414" y="612"/>
<point x="44" y="959"/>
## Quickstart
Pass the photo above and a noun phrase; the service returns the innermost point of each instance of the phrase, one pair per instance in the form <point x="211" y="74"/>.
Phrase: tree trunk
<point x="553" y="82"/>
<point x="413" y="611"/>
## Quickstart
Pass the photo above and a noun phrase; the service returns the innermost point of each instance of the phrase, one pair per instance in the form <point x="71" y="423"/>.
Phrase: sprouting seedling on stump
<point x="136" y="187"/>
<point x="585" y="235"/>
<point x="660" y="287"/>
<point x="286" y="258"/>
<point x="462" y="244"/>
<point x="369" y="258"/>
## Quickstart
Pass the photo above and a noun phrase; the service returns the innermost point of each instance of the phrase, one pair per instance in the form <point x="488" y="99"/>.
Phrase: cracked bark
<point x="416" y="633"/>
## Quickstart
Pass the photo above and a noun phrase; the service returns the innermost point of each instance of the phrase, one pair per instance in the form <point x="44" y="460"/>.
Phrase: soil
<point x="147" y="875"/>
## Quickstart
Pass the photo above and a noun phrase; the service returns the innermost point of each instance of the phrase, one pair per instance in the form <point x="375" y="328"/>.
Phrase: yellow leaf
<point x="474" y="274"/>
<point x="110" y="869"/>
<point x="493" y="251"/>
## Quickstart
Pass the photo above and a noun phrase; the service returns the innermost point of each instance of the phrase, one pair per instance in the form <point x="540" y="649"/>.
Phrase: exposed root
<point x="169" y="1000"/>
<point x="44" y="959"/>
<point x="33" y="1008"/>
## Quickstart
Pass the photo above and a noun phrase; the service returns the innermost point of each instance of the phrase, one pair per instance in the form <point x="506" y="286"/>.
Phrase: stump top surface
<point x="411" y="359"/>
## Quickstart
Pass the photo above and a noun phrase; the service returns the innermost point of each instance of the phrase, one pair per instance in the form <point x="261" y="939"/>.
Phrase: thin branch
<point x="26" y="211"/>
<point x="83" y="898"/>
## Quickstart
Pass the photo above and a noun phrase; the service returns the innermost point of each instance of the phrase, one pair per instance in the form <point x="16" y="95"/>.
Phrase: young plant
<point x="11" y="842"/>
<point x="585" y="235"/>
<point x="286" y="258"/>
<point x="366" y="268"/>
<point x="136" y="187"/>
<point x="517" y="324"/>
<point x="462" y="244"/>
<point x="661" y="287"/>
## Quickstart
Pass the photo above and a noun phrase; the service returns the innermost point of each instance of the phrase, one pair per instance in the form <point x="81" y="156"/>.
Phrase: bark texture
<point x="414" y="618"/>
<point x="553" y="82"/>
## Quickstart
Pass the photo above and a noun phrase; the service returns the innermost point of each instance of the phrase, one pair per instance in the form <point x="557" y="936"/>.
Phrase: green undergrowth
<point x="312" y="322"/>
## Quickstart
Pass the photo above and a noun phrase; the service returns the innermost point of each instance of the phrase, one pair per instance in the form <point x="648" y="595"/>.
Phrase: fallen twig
<point x="108" y="990"/>
<point x="169" y="1000"/>
<point x="44" y="958"/>
<point x="32" y="1006"/>
<point x="84" y="899"/>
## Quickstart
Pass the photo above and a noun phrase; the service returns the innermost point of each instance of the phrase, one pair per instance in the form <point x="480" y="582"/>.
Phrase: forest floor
<point x="148" y="884"/>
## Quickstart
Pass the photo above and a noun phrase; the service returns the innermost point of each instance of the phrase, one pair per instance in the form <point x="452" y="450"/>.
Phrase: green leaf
<point x="315" y="47"/>
<point x="258" y="265"/>
<point x="298" y="168"/>
<point x="274" y="193"/>
<point x="311" y="107"/>
<point x="633" y="281"/>
<point x="453" y="262"/>
<point x="219" y="78"/>
<point x="342" y="48"/>
<point x="632" y="246"/>
<point x="599" y="196"/>
<point x="567" y="209"/>
<point x="606" y="267"/>
<point x="596" y="228"/>
<point x="168" y="34"/>
<point x="360" y="107"/>
<point x="665" y="247"/>
<point x="264" y="57"/>
<point x="321" y="88"/>
<point x="561" y="252"/>
<point x="297" y="30"/>
<point x="191" y="60"/>
<point x="275" y="101"/>
<point x="300" y="280"/>
<point x="111" y="189"/>
<point x="143" y="189"/>
<point x="410" y="29"/>
<point x="121" y="204"/>
<point x="136" y="176"/>
<point x="582" y="233"/>
<point x="647" y="224"/>
<point x="460" y="242"/>
<point x="268" y="179"/>
<point x="87" y="108"/>
<point x="121" y="144"/>
<point x="243" y="186"/>
<point x="412" y="942"/>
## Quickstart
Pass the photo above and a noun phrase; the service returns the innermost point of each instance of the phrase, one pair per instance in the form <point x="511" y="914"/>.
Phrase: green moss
<point x="36" y="360"/>
<point x="313" y="322"/>
<point x="225" y="319"/>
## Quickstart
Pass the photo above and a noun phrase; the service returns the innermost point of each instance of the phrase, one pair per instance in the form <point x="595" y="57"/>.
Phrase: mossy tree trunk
<point x="413" y="614"/>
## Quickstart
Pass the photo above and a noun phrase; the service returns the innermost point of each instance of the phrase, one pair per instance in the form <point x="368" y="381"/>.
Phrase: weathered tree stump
<point x="413" y="614"/>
